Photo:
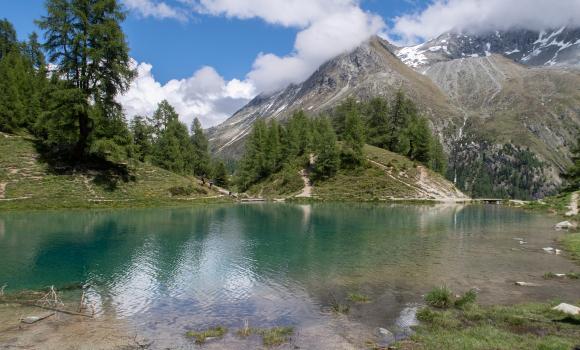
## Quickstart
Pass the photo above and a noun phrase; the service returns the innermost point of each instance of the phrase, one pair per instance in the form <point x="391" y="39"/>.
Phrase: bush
<point x="440" y="297"/>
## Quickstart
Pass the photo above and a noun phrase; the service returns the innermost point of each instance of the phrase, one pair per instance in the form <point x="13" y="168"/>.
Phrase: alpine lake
<point x="166" y="271"/>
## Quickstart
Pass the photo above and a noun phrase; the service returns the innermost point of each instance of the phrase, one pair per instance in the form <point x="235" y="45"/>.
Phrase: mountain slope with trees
<point x="63" y="130"/>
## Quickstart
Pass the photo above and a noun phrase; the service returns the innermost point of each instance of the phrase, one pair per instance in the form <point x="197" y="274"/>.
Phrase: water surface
<point x="166" y="271"/>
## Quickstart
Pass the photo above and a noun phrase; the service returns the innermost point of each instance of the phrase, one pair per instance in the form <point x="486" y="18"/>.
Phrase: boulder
<point x="568" y="309"/>
<point x="565" y="225"/>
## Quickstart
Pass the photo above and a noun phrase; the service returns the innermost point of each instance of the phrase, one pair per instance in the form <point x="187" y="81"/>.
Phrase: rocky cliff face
<point x="507" y="127"/>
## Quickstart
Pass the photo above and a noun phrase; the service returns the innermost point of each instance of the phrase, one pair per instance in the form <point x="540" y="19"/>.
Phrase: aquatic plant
<point x="468" y="298"/>
<point x="276" y="336"/>
<point x="440" y="297"/>
<point x="358" y="298"/>
<point x="202" y="336"/>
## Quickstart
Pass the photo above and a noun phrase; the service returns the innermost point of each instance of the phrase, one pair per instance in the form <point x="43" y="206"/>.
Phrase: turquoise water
<point x="169" y="270"/>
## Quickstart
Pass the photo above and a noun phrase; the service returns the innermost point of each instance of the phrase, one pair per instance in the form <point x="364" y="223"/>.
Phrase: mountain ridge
<point x="506" y="126"/>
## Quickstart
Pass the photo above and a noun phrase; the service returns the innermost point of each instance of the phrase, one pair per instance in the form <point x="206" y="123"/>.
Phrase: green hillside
<point x="27" y="181"/>
<point x="385" y="176"/>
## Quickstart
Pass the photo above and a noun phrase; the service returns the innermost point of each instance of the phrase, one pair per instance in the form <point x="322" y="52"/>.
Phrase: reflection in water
<point x="168" y="270"/>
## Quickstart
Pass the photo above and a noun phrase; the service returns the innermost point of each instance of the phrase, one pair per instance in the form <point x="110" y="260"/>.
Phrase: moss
<point x="202" y="336"/>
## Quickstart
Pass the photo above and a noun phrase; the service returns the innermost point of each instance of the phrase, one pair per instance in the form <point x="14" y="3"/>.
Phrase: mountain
<point x="506" y="126"/>
<point x="369" y="70"/>
<point x="556" y="47"/>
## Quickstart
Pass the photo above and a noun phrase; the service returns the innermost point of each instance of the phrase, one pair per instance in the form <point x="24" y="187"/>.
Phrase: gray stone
<point x="568" y="309"/>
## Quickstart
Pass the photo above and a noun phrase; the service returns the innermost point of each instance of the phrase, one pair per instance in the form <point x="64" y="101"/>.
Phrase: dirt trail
<point x="304" y="173"/>
<point x="2" y="189"/>
<point x="307" y="190"/>
<point x="573" y="205"/>
<point x="425" y="188"/>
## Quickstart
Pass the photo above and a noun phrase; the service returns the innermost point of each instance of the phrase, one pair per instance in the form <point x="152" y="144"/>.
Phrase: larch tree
<point x="84" y="39"/>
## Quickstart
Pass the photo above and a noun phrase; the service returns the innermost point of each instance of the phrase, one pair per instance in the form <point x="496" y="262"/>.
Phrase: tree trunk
<point x="81" y="150"/>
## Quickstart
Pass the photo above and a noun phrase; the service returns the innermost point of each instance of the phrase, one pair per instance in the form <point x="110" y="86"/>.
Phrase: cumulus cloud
<point x="205" y="95"/>
<point x="159" y="10"/>
<point x="328" y="28"/>
<point x="484" y="15"/>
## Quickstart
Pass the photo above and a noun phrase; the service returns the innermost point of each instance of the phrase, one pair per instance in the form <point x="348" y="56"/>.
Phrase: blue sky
<point x="176" y="49"/>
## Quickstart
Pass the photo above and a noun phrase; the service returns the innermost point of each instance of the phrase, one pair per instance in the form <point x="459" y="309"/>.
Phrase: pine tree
<point x="420" y="143"/>
<point x="85" y="40"/>
<point x="377" y="112"/>
<point x="220" y="176"/>
<point x="401" y="112"/>
<point x="254" y="165"/>
<point x="173" y="149"/>
<point x="201" y="164"/>
<point x="142" y="133"/>
<point x="8" y="41"/>
<point x="348" y="107"/>
<point x="273" y="147"/>
<point x="326" y="149"/>
<point x="354" y="140"/>
<point x="299" y="134"/>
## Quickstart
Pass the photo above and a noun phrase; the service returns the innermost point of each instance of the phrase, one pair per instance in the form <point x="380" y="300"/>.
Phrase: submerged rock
<point x="526" y="284"/>
<point x="386" y="337"/>
<point x="568" y="309"/>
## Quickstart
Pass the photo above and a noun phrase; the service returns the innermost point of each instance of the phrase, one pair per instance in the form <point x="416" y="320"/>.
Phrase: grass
<point x="529" y="326"/>
<point x="440" y="297"/>
<point x="571" y="243"/>
<point x="284" y="183"/>
<point x="359" y="298"/>
<point x="570" y="275"/>
<point x="202" y="336"/>
<point x="557" y="204"/>
<point x="271" y="337"/>
<point x="466" y="299"/>
<point x="48" y="184"/>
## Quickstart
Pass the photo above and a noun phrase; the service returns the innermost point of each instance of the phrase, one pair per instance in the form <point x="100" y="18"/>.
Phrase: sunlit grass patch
<point x="359" y="298"/>
<point x="202" y="336"/>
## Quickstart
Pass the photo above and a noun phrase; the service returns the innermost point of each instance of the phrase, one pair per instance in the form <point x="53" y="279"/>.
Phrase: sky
<point x="208" y="58"/>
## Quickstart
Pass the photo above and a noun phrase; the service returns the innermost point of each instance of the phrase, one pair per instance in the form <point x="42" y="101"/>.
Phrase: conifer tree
<point x="354" y="140"/>
<point x="201" y="163"/>
<point x="142" y="133"/>
<point x="220" y="176"/>
<point x="326" y="149"/>
<point x="85" y="40"/>
<point x="377" y="112"/>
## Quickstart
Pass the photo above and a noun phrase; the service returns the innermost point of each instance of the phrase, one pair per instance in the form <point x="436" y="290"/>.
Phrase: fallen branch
<point x="73" y="313"/>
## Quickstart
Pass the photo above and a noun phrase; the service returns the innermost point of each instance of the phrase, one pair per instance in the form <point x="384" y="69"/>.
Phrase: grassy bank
<point x="29" y="181"/>
<point x="528" y="326"/>
<point x="571" y="243"/>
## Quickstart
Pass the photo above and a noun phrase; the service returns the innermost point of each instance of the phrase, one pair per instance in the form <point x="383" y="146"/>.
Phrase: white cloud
<point x="481" y="15"/>
<point x="328" y="28"/>
<point x="205" y="95"/>
<point x="155" y="9"/>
